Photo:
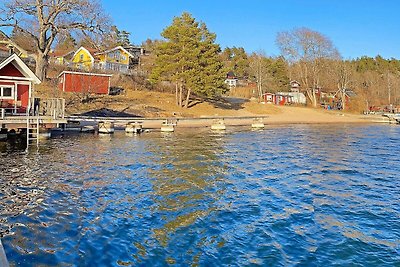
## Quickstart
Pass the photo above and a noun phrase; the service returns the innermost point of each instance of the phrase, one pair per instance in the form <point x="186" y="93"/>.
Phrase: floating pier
<point x="168" y="126"/>
<point x="258" y="123"/>
<point x="134" y="127"/>
<point x="106" y="127"/>
<point x="218" y="125"/>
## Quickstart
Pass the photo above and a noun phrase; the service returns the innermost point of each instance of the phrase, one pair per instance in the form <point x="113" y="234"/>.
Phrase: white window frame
<point x="12" y="92"/>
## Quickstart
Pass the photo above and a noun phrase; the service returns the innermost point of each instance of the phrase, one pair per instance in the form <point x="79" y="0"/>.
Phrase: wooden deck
<point x="44" y="111"/>
<point x="22" y="119"/>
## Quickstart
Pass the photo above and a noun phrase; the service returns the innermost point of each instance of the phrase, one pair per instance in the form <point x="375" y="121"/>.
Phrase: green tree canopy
<point x="236" y="60"/>
<point x="189" y="57"/>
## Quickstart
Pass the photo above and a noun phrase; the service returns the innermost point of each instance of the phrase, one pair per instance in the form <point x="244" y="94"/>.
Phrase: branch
<point x="16" y="26"/>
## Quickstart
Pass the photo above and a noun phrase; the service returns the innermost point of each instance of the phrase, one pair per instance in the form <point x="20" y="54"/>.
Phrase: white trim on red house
<point x="22" y="67"/>
<point x="13" y="91"/>
<point x="84" y="73"/>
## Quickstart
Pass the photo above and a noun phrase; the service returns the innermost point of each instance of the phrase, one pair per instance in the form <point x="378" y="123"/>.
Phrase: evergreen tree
<point x="120" y="37"/>
<point x="278" y="70"/>
<point x="65" y="42"/>
<point x="189" y="57"/>
<point x="235" y="59"/>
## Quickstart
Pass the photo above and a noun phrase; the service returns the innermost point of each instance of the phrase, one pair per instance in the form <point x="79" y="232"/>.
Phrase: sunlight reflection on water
<point x="309" y="195"/>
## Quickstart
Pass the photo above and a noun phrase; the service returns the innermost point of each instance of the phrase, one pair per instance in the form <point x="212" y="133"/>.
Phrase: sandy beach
<point x="151" y="109"/>
<point x="280" y="115"/>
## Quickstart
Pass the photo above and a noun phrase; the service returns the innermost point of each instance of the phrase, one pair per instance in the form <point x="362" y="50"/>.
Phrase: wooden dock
<point x="21" y="120"/>
<point x="42" y="115"/>
<point x="155" y="123"/>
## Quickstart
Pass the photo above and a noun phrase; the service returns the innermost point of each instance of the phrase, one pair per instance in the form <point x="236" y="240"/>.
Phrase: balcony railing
<point x="50" y="107"/>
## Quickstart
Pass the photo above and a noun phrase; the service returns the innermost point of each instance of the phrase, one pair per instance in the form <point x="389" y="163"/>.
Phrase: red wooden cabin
<point x="81" y="82"/>
<point x="16" y="82"/>
<point x="278" y="98"/>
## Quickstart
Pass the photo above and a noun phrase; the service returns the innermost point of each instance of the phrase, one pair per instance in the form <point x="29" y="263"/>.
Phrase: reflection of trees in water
<point x="185" y="181"/>
<point x="63" y="190"/>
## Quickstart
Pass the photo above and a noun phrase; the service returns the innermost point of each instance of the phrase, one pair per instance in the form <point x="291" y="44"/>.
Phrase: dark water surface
<point x="285" y="196"/>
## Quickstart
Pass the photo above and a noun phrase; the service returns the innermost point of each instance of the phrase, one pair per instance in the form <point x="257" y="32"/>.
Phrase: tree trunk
<point x="343" y="98"/>
<point x="41" y="66"/>
<point x="180" y="94"/>
<point x="310" y="95"/>
<point x="176" y="94"/>
<point x="314" y="99"/>
<point x="187" y="99"/>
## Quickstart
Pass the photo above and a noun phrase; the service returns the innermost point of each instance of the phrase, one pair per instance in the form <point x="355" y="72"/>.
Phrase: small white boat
<point x="88" y="129"/>
<point x="394" y="118"/>
<point x="3" y="136"/>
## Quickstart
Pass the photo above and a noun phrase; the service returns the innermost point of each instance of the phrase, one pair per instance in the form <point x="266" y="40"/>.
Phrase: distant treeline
<point x="188" y="57"/>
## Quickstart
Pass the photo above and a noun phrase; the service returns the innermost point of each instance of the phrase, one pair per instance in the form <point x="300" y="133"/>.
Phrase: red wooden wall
<point x="80" y="83"/>
<point x="22" y="90"/>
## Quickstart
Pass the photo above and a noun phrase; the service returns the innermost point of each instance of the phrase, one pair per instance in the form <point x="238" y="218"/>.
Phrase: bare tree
<point x="43" y="20"/>
<point x="343" y="77"/>
<point x="258" y="69"/>
<point x="308" y="51"/>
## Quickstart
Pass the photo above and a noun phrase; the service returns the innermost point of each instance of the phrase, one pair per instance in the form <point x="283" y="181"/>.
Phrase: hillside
<point x="158" y="104"/>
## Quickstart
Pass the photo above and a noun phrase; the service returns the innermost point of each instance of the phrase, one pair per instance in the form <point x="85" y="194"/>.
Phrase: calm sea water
<point x="285" y="196"/>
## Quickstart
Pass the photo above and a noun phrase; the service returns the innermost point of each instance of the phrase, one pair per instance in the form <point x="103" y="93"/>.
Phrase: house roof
<point x="230" y="74"/>
<point x="294" y="82"/>
<point x="21" y="66"/>
<point x="7" y="43"/>
<point x="61" y="53"/>
<point x="84" y="49"/>
<point x="116" y="48"/>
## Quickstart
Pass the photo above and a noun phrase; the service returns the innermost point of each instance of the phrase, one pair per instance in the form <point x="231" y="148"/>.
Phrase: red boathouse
<point x="82" y="82"/>
<point x="16" y="81"/>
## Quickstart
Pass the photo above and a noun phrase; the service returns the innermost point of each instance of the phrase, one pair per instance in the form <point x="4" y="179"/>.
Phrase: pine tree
<point x="189" y="57"/>
<point x="65" y="42"/>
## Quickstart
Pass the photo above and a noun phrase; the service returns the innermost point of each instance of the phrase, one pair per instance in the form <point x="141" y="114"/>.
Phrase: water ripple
<point x="293" y="195"/>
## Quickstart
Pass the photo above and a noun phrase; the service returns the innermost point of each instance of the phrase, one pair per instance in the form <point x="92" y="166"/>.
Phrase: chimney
<point x="10" y="49"/>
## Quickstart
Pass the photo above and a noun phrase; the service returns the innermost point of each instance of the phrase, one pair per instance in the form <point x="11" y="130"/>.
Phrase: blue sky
<point x="356" y="27"/>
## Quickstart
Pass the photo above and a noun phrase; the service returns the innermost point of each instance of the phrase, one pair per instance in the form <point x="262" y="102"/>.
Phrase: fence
<point x="51" y="107"/>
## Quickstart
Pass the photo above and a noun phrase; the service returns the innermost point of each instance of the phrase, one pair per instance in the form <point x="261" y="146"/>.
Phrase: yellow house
<point x="116" y="59"/>
<point x="82" y="59"/>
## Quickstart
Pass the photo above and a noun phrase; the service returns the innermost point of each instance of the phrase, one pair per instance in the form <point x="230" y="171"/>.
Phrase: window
<point x="81" y="57"/>
<point x="7" y="92"/>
